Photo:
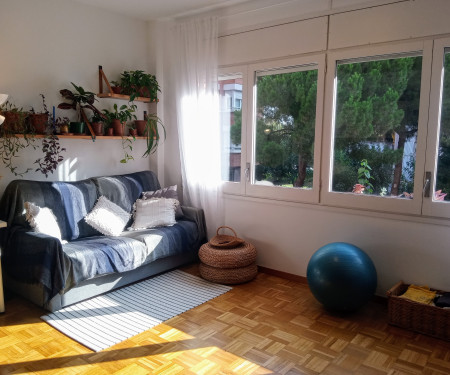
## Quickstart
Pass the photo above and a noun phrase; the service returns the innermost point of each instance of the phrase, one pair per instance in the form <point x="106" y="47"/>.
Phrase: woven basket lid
<point x="225" y="241"/>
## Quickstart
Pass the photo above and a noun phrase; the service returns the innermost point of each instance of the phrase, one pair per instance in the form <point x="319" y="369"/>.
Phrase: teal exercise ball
<point x="341" y="276"/>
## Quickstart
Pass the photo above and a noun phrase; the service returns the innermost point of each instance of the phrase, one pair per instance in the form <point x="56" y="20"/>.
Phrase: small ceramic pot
<point x="77" y="127"/>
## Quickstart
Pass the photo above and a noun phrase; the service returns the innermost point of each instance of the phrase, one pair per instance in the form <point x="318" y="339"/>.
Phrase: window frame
<point x="362" y="201"/>
<point x="277" y="192"/>
<point x="231" y="187"/>
<point x="430" y="206"/>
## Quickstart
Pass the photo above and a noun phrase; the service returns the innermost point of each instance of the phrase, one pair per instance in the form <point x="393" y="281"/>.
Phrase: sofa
<point x="54" y="273"/>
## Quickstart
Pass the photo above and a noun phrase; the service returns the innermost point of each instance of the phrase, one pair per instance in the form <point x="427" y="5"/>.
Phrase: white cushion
<point x="107" y="217"/>
<point x="154" y="212"/>
<point x="42" y="220"/>
<point x="167" y="192"/>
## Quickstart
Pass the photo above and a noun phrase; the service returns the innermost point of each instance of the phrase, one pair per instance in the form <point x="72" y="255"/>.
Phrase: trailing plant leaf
<point x="52" y="155"/>
<point x="152" y="133"/>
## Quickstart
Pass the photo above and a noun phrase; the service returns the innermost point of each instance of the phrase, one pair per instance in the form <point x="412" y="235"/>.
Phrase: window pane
<point x="230" y="92"/>
<point x="443" y="163"/>
<point x="376" y="122"/>
<point x="285" y="127"/>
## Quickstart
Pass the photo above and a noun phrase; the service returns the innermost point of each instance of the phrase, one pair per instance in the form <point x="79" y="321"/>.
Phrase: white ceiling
<point x="160" y="9"/>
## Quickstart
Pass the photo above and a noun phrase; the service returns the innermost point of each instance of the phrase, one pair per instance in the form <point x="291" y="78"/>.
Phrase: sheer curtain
<point x="195" y="61"/>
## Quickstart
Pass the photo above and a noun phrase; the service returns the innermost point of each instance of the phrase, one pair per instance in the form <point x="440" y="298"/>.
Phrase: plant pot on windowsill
<point x="77" y="127"/>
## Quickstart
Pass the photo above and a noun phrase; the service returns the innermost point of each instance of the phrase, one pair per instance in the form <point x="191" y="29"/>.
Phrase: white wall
<point x="46" y="44"/>
<point x="287" y="234"/>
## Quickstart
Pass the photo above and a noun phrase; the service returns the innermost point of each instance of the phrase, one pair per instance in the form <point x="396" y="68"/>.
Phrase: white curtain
<point x="195" y="62"/>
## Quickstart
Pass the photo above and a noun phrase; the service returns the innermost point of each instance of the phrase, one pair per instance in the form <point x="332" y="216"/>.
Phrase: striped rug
<point x="103" y="321"/>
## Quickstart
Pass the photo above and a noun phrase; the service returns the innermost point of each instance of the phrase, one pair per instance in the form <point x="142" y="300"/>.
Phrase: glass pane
<point x="443" y="163"/>
<point x="376" y="122"/>
<point x="285" y="128"/>
<point x="230" y="92"/>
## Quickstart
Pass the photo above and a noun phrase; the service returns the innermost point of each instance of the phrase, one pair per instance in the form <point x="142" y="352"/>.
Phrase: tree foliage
<point x="286" y="125"/>
<point x="377" y="107"/>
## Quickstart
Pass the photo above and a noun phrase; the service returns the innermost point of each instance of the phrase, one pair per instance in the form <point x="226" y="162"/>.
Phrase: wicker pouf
<point x="228" y="275"/>
<point x="227" y="259"/>
<point x="242" y="255"/>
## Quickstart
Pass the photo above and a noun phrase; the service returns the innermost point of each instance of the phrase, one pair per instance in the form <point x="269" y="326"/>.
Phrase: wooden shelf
<point x="125" y="97"/>
<point x="82" y="136"/>
<point x="110" y="94"/>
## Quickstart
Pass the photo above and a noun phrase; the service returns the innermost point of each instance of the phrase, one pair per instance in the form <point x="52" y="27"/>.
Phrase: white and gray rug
<point x="103" y="321"/>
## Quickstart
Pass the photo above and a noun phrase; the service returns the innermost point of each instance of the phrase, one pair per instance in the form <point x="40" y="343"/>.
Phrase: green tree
<point x="286" y="122"/>
<point x="369" y="112"/>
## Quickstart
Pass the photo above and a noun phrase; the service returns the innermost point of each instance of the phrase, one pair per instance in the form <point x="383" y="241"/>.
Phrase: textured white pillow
<point x="167" y="192"/>
<point x="42" y="220"/>
<point x="154" y="212"/>
<point x="107" y="217"/>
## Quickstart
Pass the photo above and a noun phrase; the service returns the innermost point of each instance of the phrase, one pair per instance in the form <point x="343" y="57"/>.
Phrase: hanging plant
<point x="13" y="137"/>
<point x="50" y="145"/>
<point x="52" y="155"/>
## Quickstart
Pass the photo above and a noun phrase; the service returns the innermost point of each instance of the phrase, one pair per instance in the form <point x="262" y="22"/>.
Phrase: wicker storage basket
<point x="240" y="256"/>
<point x="228" y="275"/>
<point x="225" y="241"/>
<point x="415" y="316"/>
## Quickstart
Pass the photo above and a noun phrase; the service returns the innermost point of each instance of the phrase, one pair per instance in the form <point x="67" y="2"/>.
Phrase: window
<point x="376" y="123"/>
<point x="386" y="136"/>
<point x="442" y="184"/>
<point x="437" y="176"/>
<point x="231" y="86"/>
<point x="376" y="127"/>
<point x="286" y="129"/>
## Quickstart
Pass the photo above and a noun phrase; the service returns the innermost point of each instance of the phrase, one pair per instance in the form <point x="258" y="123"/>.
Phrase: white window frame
<point x="430" y="206"/>
<point x="370" y="202"/>
<point x="277" y="192"/>
<point x="231" y="187"/>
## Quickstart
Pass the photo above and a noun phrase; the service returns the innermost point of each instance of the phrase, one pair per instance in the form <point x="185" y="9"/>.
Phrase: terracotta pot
<point x="39" y="122"/>
<point x="97" y="127"/>
<point x="14" y="121"/>
<point x="140" y="127"/>
<point x="116" y="89"/>
<point x="110" y="132"/>
<point x="133" y="132"/>
<point x="118" y="127"/>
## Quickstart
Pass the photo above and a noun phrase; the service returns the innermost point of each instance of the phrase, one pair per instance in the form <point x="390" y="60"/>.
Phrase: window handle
<point x="247" y="172"/>
<point x="426" y="185"/>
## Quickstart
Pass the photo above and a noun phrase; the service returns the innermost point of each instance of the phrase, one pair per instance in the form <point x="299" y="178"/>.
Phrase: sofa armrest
<point x="198" y="216"/>
<point x="36" y="258"/>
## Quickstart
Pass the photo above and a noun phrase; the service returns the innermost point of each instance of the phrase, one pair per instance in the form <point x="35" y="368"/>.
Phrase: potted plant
<point x="116" y="87"/>
<point x="152" y="133"/>
<point x="138" y="83"/>
<point x="39" y="121"/>
<point x="79" y="100"/>
<point x="119" y="116"/>
<point x="14" y="118"/>
<point x="13" y="137"/>
<point x="61" y="125"/>
<point x="97" y="120"/>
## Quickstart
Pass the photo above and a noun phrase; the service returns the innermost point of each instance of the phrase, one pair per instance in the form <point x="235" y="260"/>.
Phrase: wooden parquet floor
<point x="268" y="326"/>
